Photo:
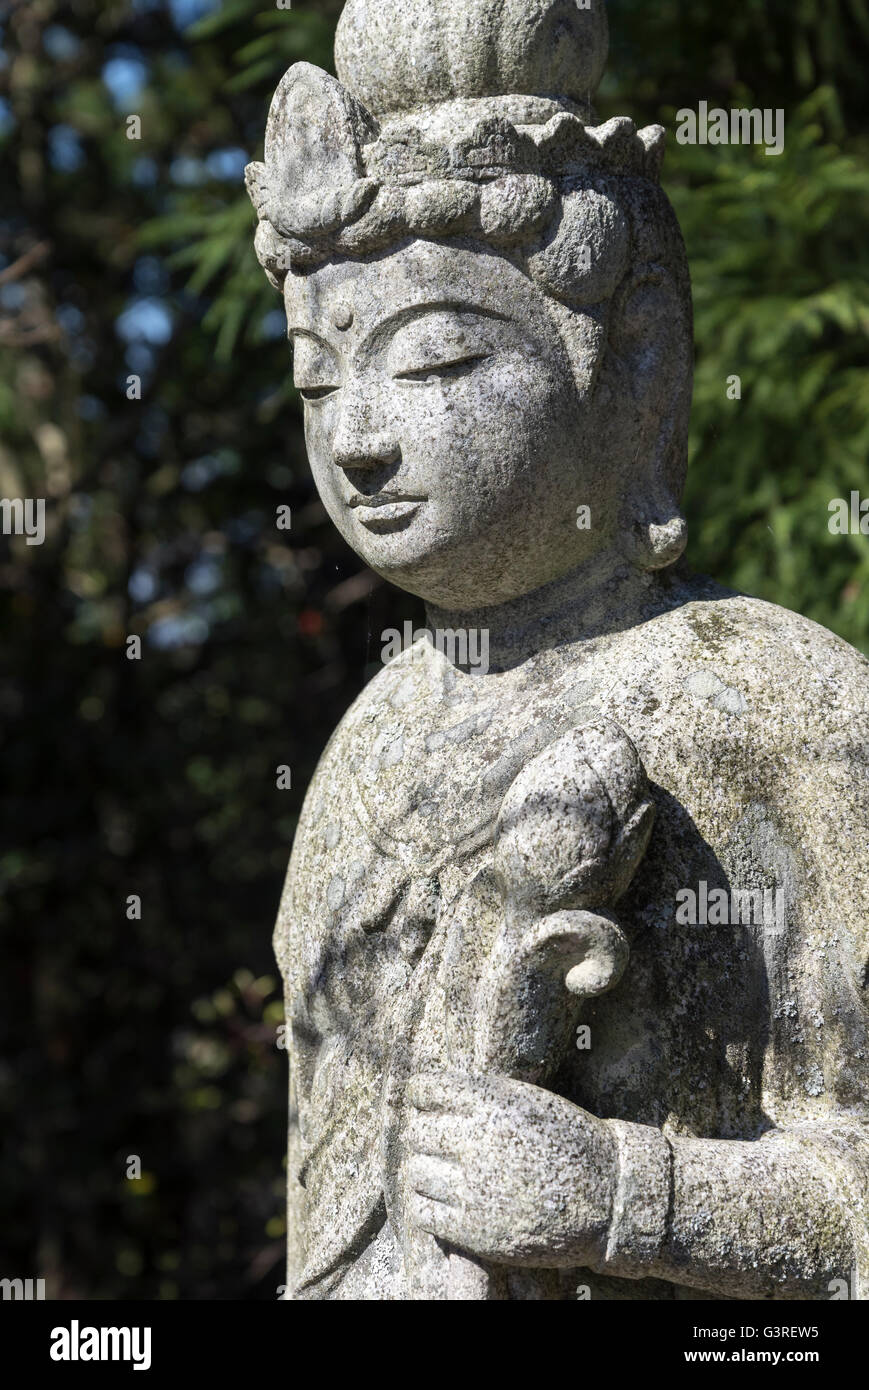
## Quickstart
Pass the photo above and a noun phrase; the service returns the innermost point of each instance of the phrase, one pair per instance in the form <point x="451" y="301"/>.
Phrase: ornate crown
<point x="450" y="117"/>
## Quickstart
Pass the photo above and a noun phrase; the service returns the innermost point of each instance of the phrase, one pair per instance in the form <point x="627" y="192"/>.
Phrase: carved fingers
<point x="506" y="1171"/>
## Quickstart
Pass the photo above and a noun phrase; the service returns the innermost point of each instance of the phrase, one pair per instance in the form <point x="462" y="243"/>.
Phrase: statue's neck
<point x="579" y="606"/>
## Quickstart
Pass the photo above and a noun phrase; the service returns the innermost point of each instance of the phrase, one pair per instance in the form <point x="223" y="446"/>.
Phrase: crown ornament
<point x="448" y="118"/>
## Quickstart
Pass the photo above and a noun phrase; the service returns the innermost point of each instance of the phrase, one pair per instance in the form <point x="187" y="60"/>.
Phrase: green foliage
<point x="780" y="265"/>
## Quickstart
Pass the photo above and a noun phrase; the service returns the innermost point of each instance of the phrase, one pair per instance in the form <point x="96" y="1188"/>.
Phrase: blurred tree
<point x="780" y="266"/>
<point x="145" y="394"/>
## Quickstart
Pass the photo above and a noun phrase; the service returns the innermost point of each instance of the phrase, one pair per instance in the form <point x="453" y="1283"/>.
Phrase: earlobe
<point x="655" y="540"/>
<point x="647" y="342"/>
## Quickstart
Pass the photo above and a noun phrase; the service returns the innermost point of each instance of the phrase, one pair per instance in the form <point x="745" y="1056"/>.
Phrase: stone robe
<point x="753" y="726"/>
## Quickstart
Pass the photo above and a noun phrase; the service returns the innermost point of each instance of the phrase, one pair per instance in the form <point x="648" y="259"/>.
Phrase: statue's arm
<point x="785" y="1215"/>
<point x="778" y="1217"/>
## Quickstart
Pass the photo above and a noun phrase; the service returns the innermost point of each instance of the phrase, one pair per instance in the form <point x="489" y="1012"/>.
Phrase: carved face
<point x="447" y="427"/>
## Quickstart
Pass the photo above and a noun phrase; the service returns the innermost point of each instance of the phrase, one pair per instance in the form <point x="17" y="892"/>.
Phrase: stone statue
<point x="574" y="939"/>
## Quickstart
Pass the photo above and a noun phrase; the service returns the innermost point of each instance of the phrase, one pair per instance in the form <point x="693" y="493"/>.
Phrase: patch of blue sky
<point x="70" y="318"/>
<point x="187" y="171"/>
<point x="150" y="276"/>
<point x="146" y="320"/>
<point x="204" y="575"/>
<point x="196" y="475"/>
<point x="273" y="325"/>
<point x="144" y="171"/>
<point x="187" y="12"/>
<point x="139" y="360"/>
<point x="143" y="586"/>
<point x="180" y="630"/>
<point x="124" y="75"/>
<point x="60" y="43"/>
<point x="228" y="163"/>
<point x="65" y="148"/>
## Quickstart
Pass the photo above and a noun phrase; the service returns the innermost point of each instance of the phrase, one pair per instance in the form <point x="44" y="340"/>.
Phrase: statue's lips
<point x="385" y="511"/>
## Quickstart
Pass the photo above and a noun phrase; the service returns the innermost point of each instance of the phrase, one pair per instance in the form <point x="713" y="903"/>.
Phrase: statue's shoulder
<point x="395" y="687"/>
<point x="777" y="714"/>
<point x="730" y="700"/>
<point x="765" y="664"/>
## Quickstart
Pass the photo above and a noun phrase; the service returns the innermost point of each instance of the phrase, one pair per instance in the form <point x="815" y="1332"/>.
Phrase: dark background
<point x="157" y="777"/>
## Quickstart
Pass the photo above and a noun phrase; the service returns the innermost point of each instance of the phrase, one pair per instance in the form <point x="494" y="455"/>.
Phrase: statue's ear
<point x="650" y="355"/>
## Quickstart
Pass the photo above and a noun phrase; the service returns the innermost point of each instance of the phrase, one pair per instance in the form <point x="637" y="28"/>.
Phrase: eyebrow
<point x="413" y="311"/>
<point x="401" y="316"/>
<point x="309" y="333"/>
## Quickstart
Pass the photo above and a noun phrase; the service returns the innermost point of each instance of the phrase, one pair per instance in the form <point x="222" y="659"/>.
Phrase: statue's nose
<point x="366" y="451"/>
<point x="358" y="443"/>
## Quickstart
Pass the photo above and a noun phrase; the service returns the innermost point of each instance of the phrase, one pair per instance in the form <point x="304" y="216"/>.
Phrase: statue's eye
<point x="457" y="366"/>
<point x="316" y="370"/>
<point x="316" y="393"/>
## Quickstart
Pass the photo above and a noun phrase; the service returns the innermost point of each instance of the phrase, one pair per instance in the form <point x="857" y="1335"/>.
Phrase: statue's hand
<point x="507" y="1171"/>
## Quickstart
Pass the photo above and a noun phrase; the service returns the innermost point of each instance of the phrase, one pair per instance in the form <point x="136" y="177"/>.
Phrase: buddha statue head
<point x="488" y="298"/>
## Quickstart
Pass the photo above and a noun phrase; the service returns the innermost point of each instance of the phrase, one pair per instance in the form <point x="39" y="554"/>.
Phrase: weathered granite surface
<point x="518" y="1069"/>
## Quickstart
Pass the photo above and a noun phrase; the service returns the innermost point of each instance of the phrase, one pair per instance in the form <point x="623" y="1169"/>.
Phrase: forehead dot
<point x="342" y="315"/>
